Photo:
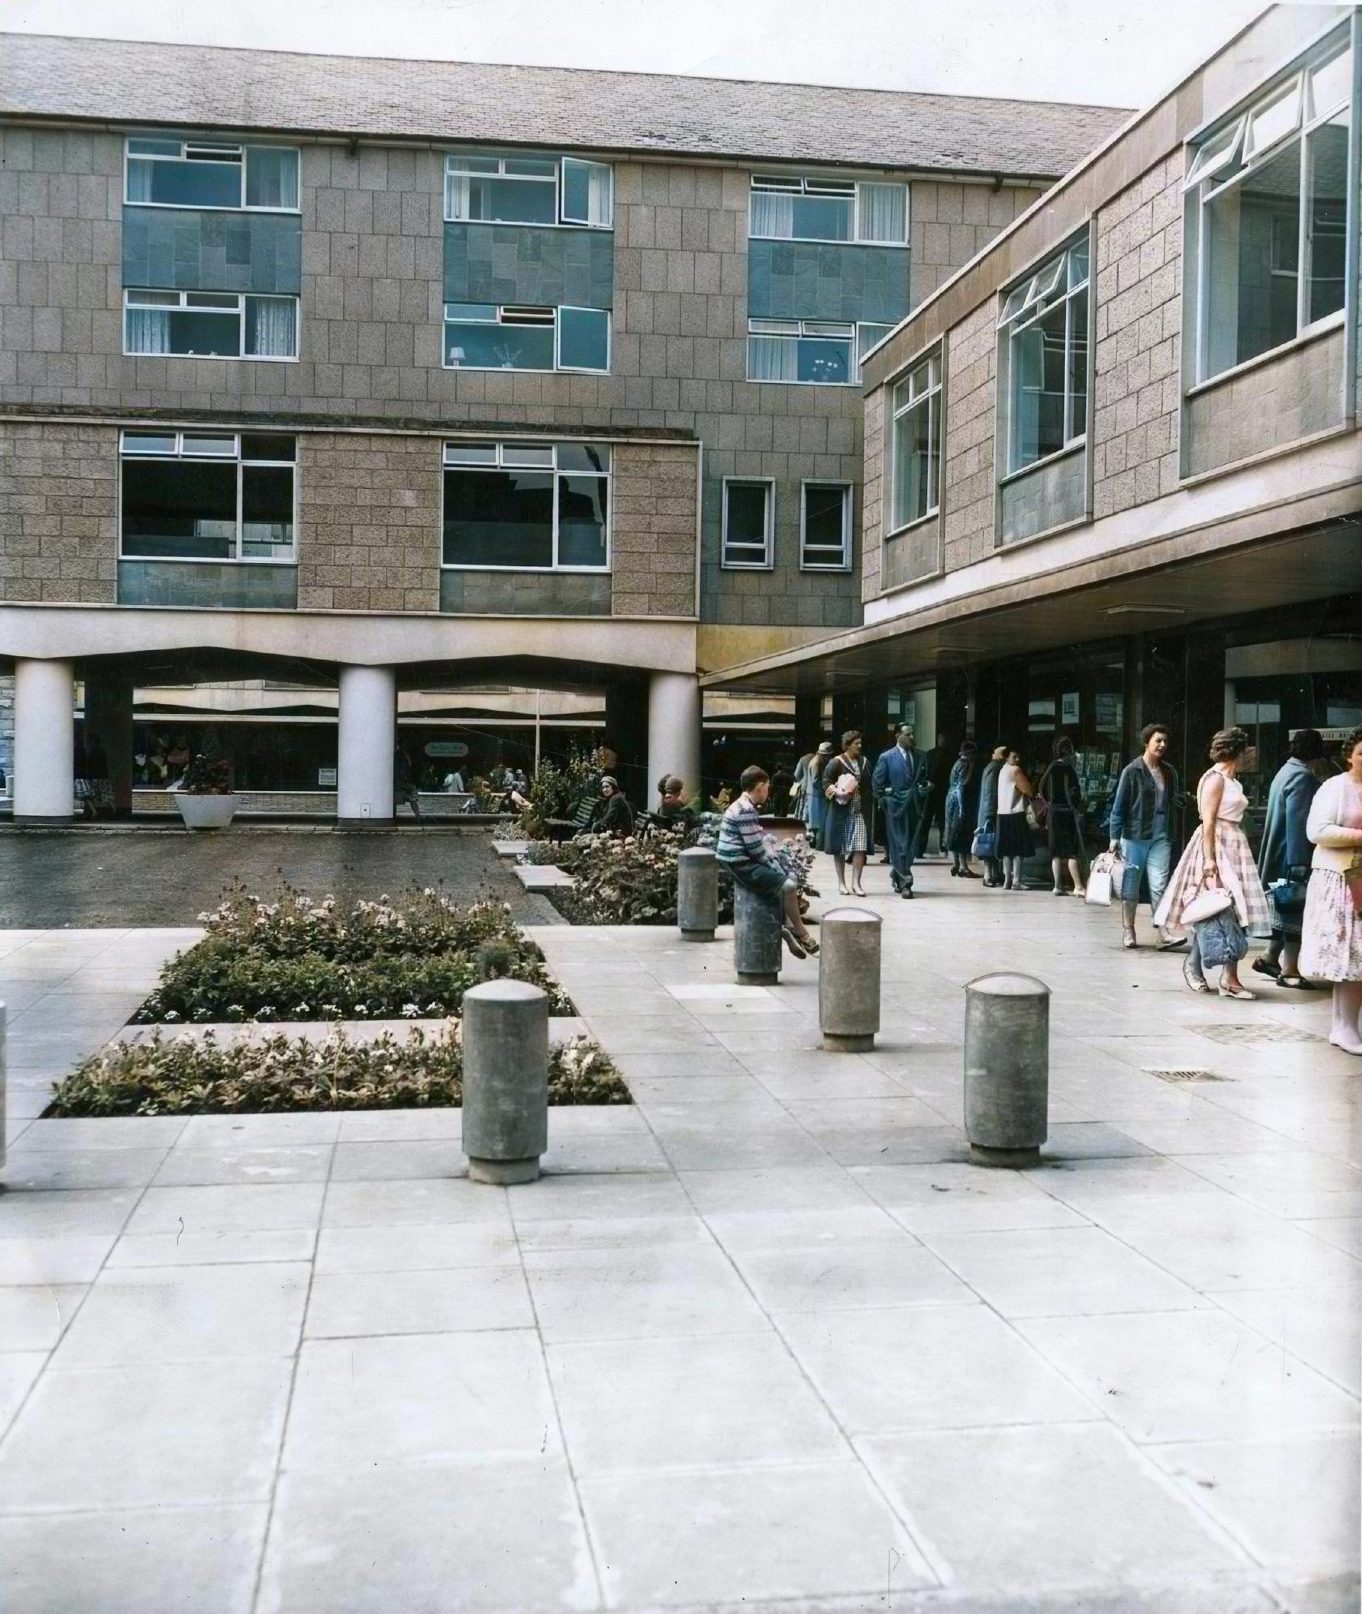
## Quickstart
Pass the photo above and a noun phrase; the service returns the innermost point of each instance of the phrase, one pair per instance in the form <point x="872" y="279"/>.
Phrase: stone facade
<point x="949" y="223"/>
<point x="1138" y="352"/>
<point x="197" y="249"/>
<point x="368" y="522"/>
<point x="497" y="592"/>
<point x="1052" y="495"/>
<point x="537" y="266"/>
<point x="653" y="526"/>
<point x="874" y="491"/>
<point x="58" y="512"/>
<point x="968" y="475"/>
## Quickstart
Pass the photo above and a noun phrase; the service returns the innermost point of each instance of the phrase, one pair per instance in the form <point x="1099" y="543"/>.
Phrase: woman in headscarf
<point x="962" y="809"/>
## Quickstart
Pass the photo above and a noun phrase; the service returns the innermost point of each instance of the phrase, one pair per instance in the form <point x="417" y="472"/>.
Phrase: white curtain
<point x="773" y="214"/>
<point x="457" y="195"/>
<point x="271" y="177"/>
<point x="148" y="330"/>
<point x="598" y="194"/>
<point x="271" y="327"/>
<point x="772" y="358"/>
<point x="139" y="179"/>
<point x="884" y="213"/>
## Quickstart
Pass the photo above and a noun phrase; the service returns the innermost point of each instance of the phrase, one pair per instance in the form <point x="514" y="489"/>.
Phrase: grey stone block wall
<point x="58" y="512"/>
<point x="1267" y="407"/>
<point x="190" y="249"/>
<point x="535" y="265"/>
<point x="653" y="494"/>
<point x="827" y="280"/>
<point x="502" y="593"/>
<point x="874" y="492"/>
<point x="948" y="223"/>
<point x="1046" y="497"/>
<point x="912" y="554"/>
<point x="968" y="475"/>
<point x="207" y="583"/>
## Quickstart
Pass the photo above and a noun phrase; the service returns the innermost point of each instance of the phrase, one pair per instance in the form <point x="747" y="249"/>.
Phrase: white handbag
<point x="1104" y="879"/>
<point x="1206" y="905"/>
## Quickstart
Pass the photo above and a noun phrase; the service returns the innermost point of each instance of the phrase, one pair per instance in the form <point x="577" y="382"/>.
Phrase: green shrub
<point x="554" y="793"/>
<point x="626" y="882"/>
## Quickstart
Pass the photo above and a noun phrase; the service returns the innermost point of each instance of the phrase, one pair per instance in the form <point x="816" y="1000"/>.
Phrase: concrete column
<point x="1007" y="1068"/>
<point x="44" y="742"/>
<point x="697" y="893"/>
<point x="757" y="943"/>
<point x="505" y="1080"/>
<point x="108" y="719"/>
<point x="674" y="729"/>
<point x="366" y="741"/>
<point x="849" y="979"/>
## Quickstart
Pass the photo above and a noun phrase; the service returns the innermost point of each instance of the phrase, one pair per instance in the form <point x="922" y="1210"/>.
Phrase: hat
<point x="607" y="780"/>
<point x="825" y="747"/>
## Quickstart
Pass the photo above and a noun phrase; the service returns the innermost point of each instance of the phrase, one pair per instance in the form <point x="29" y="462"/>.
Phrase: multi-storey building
<point x="1113" y="472"/>
<point x="373" y="378"/>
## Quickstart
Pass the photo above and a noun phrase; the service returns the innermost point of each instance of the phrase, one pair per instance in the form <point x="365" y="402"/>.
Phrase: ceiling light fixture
<point x="1146" y="610"/>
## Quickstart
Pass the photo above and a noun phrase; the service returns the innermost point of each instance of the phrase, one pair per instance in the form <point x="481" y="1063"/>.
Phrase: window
<point x="207" y="496"/>
<point x="915" y="445"/>
<point x="1045" y="321"/>
<point x="527" y="506"/>
<point x="825" y="527"/>
<point x="868" y="212"/>
<point x="1271" y="194"/>
<point x="528" y="190"/>
<point x="749" y="523"/>
<point x="198" y="173"/>
<point x="483" y="336"/>
<point x="210" y="324"/>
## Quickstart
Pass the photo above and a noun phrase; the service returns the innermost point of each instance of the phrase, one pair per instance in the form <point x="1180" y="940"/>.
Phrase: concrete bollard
<point x="697" y="894"/>
<point x="1007" y="1068"/>
<point x="756" y="937"/>
<point x="505" y="1080"/>
<point x="849" y="979"/>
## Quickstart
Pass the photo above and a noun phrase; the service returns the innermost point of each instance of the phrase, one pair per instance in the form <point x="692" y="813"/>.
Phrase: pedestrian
<point x="903" y="787"/>
<point x="453" y="783"/>
<point x="1141" y="828"/>
<point x="985" y="843"/>
<point x="1015" y="841"/>
<point x="817" y="802"/>
<point x="1284" y="857"/>
<point x="673" y="809"/>
<point x="404" y="782"/>
<point x="1331" y="940"/>
<point x="939" y="763"/>
<point x="616" y="816"/>
<point x="1061" y="792"/>
<point x="962" y="809"/>
<point x="844" y="825"/>
<point x="1217" y="855"/>
<point x="748" y="856"/>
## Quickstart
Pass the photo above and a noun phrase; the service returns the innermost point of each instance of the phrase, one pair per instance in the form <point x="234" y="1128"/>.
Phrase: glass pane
<point x="179" y="508"/>
<point x="1078" y="364"/>
<point x="1331" y="84"/>
<point x="1038" y="389"/>
<point x="1078" y="264"/>
<point x="498" y="518"/>
<point x="208" y="443"/>
<point x="1217" y="152"/>
<point x="533" y="454"/>
<point x="266" y="512"/>
<point x="199" y="334"/>
<point x="474" y="165"/>
<point x="228" y="301"/>
<point x="581" y="520"/>
<point x="271" y="327"/>
<point x="824" y="359"/>
<point x="1252" y="268"/>
<point x="914" y="463"/>
<point x="266" y="446"/>
<point x="745" y="519"/>
<point x="154" y="148"/>
<point x="772" y="358"/>
<point x="822" y="218"/>
<point x="583" y="339"/>
<point x="499" y="347"/>
<point x="149" y="443"/>
<point x="470" y="453"/>
<point x="189" y="184"/>
<point x="867" y="336"/>
<point x="772" y="214"/>
<point x="884" y="213"/>
<point x="486" y="312"/>
<point x="824" y="516"/>
<point x="512" y="201"/>
<point x="1326" y="218"/>
<point x="271" y="177"/>
<point x="154" y="299"/>
<point x="1268" y="123"/>
<point x="537" y="166"/>
<point x="586" y="192"/>
<point x="593" y="458"/>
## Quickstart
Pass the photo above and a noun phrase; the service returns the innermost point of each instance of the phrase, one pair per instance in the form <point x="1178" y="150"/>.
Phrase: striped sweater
<point x="741" y="837"/>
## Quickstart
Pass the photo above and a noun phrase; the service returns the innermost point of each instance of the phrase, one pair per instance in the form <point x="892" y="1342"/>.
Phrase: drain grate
<point x="1183" y="1073"/>
<point x="1260" y="1031"/>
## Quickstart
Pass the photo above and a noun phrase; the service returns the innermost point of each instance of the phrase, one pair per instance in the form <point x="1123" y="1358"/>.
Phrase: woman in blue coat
<point x="1285" y="855"/>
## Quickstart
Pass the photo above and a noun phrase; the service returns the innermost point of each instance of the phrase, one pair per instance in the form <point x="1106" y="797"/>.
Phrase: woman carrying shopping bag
<point x="1217" y="856"/>
<point x="1331" y="949"/>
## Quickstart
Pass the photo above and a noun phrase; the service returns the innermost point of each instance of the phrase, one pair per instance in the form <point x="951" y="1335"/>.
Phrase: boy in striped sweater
<point x="743" y="851"/>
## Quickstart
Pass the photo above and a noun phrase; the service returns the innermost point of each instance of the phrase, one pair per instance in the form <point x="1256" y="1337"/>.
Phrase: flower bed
<point x="295" y="959"/>
<point x="177" y="1076"/>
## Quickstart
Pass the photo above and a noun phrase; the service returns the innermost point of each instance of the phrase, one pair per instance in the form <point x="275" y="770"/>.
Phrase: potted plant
<point x="204" y="794"/>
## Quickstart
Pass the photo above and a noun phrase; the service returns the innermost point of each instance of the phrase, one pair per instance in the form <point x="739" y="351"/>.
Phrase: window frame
<point x="1044" y="288"/>
<point x="501" y="463"/>
<point x="240" y="147"/>
<point x="848" y="524"/>
<point x="178" y="456"/>
<point x="933" y="397"/>
<point x="1226" y="139"/>
<point x="767" y="563"/>
<point x="558" y="179"/>
<point x="828" y="186"/>
<point x="555" y="324"/>
<point x="130" y="292"/>
<point x="798" y="330"/>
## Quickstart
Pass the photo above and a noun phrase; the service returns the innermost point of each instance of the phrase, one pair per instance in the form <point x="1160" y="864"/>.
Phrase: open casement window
<point x="485" y="188"/>
<point x="825" y="527"/>
<point x="915" y="445"/>
<point x="202" y="173"/>
<point x="218" y="496"/>
<point x="794" y="208"/>
<point x="1045" y="324"/>
<point x="1270" y="196"/>
<point x="210" y="325"/>
<point x="485" y="336"/>
<point x="527" y="506"/>
<point x="748" y="523"/>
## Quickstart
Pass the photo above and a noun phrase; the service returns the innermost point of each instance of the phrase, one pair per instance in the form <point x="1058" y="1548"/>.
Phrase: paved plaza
<point x="765" y="1340"/>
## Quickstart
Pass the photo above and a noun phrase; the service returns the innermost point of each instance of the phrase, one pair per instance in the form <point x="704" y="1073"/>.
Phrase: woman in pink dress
<point x="1218" y="854"/>
<point x="1331" y="929"/>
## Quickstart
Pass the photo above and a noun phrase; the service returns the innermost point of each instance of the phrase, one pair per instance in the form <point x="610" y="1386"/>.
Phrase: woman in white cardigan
<point x="1331" y="930"/>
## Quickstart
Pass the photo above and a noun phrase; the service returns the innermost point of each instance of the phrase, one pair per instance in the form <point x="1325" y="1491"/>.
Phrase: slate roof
<point x="197" y="86"/>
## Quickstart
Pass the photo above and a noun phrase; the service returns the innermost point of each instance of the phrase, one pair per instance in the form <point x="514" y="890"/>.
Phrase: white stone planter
<point x="205" y="812"/>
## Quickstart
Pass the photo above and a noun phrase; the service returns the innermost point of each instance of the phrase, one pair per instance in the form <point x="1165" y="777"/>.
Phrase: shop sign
<point x="1108" y="718"/>
<point x="446" y="748"/>
<point x="1068" y="708"/>
<point x="326" y="778"/>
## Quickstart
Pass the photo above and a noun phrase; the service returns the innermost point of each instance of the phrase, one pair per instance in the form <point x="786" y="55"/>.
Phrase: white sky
<point x="1117" y="52"/>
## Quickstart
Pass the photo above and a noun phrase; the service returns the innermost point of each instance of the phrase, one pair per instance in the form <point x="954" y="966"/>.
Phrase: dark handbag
<point x="1221" y="939"/>
<point x="985" y="843"/>
<point x="1286" y="898"/>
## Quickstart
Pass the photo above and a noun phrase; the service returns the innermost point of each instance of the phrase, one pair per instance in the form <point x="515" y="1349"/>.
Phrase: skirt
<point x="1237" y="871"/>
<point x="1331" y="931"/>
<point x="1014" y="836"/>
<point x="844" y="830"/>
<point x="1063" y="834"/>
